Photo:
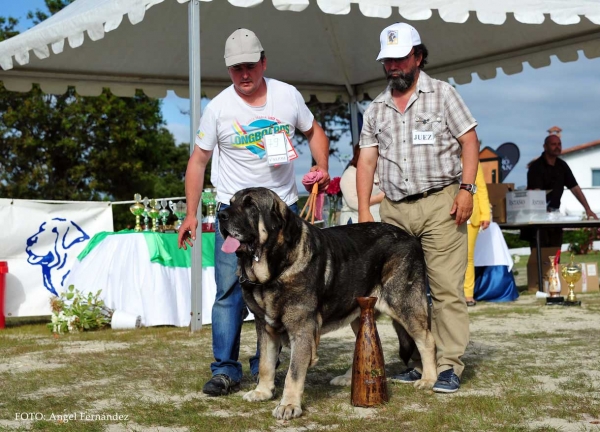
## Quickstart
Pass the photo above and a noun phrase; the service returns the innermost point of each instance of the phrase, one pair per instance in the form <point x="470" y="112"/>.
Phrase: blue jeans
<point x="228" y="313"/>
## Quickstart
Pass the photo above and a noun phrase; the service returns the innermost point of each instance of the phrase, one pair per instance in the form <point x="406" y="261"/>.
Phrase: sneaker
<point x="220" y="385"/>
<point x="408" y="376"/>
<point x="447" y="382"/>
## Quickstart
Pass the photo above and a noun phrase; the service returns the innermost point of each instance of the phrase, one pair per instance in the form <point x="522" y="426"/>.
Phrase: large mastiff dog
<point x="301" y="282"/>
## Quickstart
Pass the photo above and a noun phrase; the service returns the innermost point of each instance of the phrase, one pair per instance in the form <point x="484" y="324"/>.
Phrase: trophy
<point x="571" y="273"/>
<point x="137" y="209"/>
<point x="145" y="214"/>
<point x="553" y="280"/>
<point x="153" y="212"/>
<point x="163" y="213"/>
<point x="209" y="219"/>
<point x="179" y="209"/>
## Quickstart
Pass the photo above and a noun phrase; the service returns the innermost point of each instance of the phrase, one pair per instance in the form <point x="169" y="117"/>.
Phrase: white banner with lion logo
<point x="41" y="242"/>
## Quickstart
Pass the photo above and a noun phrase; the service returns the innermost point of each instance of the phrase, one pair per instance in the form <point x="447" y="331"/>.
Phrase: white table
<point x="160" y="292"/>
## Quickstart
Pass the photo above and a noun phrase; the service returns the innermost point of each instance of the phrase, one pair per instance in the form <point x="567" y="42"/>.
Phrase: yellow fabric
<point x="472" y="232"/>
<point x="481" y="212"/>
<point x="481" y="201"/>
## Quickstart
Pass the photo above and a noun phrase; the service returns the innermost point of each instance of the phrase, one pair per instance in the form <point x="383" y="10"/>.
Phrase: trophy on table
<point x="146" y="215"/>
<point x="137" y="209"/>
<point x="209" y="219"/>
<point x="153" y="212"/>
<point x="571" y="273"/>
<point x="163" y="213"/>
<point x="179" y="209"/>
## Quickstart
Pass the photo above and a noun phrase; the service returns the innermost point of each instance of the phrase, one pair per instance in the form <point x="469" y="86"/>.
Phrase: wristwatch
<point x="471" y="188"/>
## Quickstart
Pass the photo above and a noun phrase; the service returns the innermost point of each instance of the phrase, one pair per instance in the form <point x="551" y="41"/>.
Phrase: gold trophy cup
<point x="571" y="273"/>
<point x="137" y="209"/>
<point x="154" y="212"/>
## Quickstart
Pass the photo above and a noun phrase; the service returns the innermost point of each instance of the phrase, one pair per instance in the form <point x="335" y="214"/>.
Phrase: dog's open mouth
<point x="230" y="245"/>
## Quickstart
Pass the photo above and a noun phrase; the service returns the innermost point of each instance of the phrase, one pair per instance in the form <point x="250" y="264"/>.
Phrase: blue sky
<point x="518" y="108"/>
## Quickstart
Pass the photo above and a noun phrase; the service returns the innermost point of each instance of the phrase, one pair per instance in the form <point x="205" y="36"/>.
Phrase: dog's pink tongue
<point x="230" y="245"/>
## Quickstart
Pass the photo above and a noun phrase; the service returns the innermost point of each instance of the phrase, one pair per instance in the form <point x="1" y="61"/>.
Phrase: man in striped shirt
<point x="414" y="133"/>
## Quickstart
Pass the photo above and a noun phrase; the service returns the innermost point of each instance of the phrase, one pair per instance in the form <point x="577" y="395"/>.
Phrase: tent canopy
<point x="324" y="47"/>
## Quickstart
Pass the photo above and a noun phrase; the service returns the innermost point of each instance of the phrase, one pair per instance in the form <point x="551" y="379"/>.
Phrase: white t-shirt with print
<point x="238" y="129"/>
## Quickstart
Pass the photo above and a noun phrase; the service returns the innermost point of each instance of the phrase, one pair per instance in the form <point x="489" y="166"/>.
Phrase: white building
<point x="584" y="161"/>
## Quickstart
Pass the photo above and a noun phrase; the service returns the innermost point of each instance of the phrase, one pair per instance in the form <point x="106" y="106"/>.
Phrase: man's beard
<point x="401" y="81"/>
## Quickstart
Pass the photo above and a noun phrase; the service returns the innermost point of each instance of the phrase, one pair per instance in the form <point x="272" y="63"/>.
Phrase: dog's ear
<point x="287" y="219"/>
<point x="73" y="234"/>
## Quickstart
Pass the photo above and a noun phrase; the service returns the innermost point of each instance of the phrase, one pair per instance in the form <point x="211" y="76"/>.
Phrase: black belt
<point x="425" y="194"/>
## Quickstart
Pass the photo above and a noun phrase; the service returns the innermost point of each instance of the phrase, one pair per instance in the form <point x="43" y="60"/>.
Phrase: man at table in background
<point x="551" y="173"/>
<point x="415" y="133"/>
<point x="236" y="122"/>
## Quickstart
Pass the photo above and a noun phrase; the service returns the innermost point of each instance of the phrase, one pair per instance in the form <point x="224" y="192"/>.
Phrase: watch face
<point x="473" y="189"/>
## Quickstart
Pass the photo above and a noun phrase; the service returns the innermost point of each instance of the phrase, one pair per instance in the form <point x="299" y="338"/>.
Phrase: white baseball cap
<point x="397" y="40"/>
<point x="242" y="46"/>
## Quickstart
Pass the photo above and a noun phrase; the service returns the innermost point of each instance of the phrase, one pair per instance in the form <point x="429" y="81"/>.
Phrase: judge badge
<point x="423" y="137"/>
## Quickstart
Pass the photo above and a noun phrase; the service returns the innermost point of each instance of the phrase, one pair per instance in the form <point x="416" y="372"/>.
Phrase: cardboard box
<point x="587" y="283"/>
<point x="532" y="266"/>
<point x="525" y="206"/>
<point x="497" y="195"/>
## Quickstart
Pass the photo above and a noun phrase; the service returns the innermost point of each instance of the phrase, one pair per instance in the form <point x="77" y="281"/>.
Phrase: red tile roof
<point x="581" y="147"/>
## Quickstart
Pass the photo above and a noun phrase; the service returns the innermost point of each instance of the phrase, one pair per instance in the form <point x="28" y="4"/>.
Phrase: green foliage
<point x="513" y="241"/>
<point x="71" y="147"/>
<point x="7" y="27"/>
<point x="581" y="240"/>
<point x="74" y="312"/>
<point x="334" y="118"/>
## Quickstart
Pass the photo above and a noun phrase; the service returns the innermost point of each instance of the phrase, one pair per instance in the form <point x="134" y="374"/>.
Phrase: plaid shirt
<point x="405" y="168"/>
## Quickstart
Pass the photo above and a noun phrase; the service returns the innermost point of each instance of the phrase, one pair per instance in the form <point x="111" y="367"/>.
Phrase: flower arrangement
<point x="73" y="312"/>
<point x="334" y="193"/>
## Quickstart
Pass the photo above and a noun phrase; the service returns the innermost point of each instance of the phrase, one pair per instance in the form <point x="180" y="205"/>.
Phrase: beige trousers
<point x="445" y="248"/>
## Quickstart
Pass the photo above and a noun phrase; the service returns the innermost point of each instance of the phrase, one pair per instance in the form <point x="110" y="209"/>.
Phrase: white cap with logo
<point x="397" y="40"/>
<point x="242" y="46"/>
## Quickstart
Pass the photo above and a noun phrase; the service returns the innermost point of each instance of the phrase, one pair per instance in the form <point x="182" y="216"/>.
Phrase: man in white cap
<point x="414" y="134"/>
<point x="236" y="122"/>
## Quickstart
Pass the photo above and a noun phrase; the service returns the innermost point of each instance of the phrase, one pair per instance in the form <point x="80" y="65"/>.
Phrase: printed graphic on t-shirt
<point x="251" y="136"/>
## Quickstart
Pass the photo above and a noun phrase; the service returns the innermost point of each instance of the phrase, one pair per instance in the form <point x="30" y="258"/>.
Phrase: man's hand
<point x="462" y="208"/>
<point x="591" y="215"/>
<point x="187" y="232"/>
<point x="324" y="182"/>
<point x="484" y="225"/>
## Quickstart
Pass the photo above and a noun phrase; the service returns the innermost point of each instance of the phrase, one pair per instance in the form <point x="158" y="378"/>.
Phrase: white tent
<point x="325" y="54"/>
<point x="324" y="47"/>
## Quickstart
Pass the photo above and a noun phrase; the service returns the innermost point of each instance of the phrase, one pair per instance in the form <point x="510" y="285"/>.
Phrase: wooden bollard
<point x="369" y="386"/>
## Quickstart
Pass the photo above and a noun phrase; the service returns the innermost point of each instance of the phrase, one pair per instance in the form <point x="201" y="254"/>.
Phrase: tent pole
<point x="195" y="99"/>
<point x="354" y="120"/>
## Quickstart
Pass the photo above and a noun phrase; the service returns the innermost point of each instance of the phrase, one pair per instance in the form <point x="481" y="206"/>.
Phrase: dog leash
<point x="311" y="205"/>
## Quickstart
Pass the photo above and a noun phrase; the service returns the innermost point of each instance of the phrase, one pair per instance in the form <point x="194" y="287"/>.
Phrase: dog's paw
<point x="342" y="381"/>
<point x="257" y="395"/>
<point x="287" y="412"/>
<point x="423" y="384"/>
